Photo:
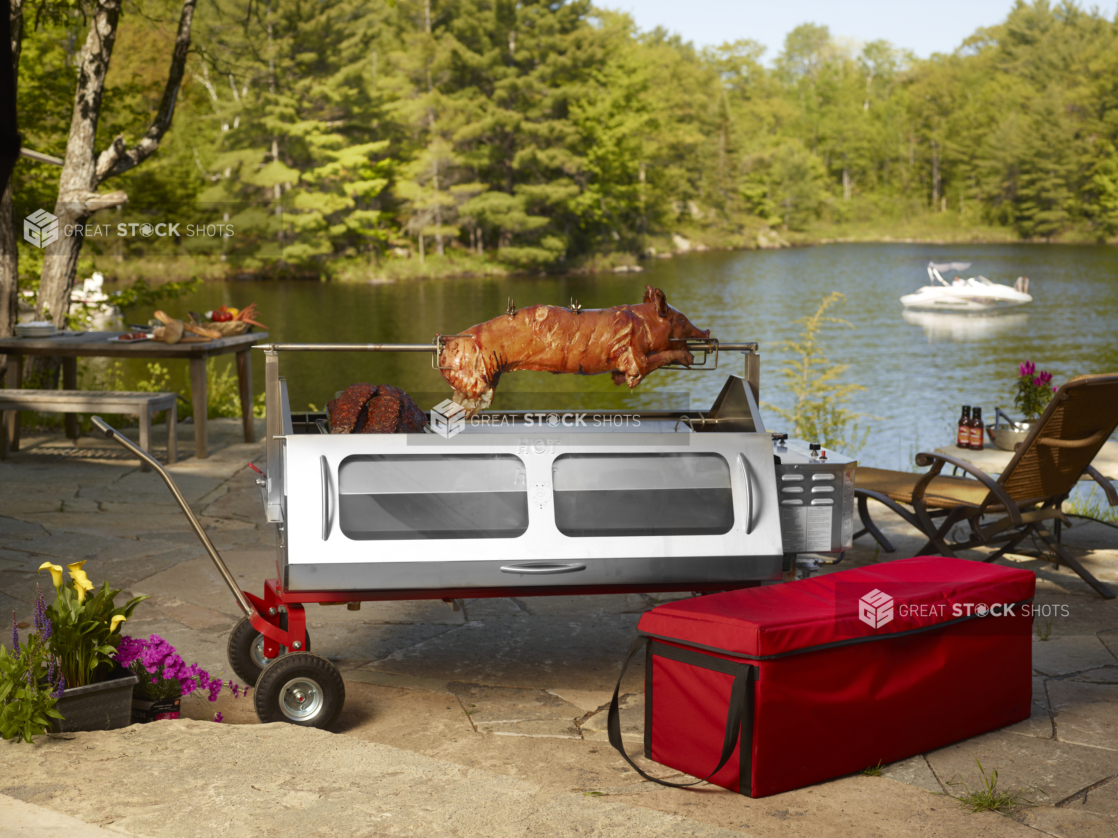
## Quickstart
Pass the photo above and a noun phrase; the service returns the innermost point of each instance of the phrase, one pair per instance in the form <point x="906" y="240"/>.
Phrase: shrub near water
<point x="818" y="409"/>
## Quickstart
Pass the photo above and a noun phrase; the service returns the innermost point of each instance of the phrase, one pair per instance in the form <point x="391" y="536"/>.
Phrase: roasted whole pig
<point x="375" y="409"/>
<point x="627" y="341"/>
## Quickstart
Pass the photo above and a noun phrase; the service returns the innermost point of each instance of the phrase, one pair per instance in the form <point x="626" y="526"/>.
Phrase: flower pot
<point x="1006" y="437"/>
<point x="103" y="706"/>
<point x="144" y="710"/>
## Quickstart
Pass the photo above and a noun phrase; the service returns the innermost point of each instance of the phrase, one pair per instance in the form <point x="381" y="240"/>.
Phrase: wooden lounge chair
<point x="1023" y="500"/>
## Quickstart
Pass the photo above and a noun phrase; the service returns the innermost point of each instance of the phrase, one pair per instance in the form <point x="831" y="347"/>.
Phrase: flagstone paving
<point x="488" y="720"/>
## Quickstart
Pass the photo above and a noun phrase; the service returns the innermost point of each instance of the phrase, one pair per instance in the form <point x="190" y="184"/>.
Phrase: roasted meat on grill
<point x="380" y="409"/>
<point x="627" y="341"/>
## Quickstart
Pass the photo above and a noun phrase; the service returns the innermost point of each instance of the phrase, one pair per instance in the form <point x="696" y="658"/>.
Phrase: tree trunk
<point x="9" y="253"/>
<point x="846" y="184"/>
<point x="84" y="171"/>
<point x="9" y="272"/>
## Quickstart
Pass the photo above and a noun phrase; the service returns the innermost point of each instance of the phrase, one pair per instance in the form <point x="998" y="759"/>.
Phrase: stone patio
<point x="484" y="721"/>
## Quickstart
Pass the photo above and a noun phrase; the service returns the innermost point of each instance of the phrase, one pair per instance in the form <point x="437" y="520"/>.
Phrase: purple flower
<point x="15" y="633"/>
<point x="61" y="686"/>
<point x="1027" y="368"/>
<point x="43" y="624"/>
<point x="129" y="650"/>
<point x="1043" y="379"/>
<point x="218" y="717"/>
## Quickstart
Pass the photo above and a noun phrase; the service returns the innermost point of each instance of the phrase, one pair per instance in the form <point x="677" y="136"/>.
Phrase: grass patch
<point x="987" y="797"/>
<point x="1091" y="506"/>
<point x="1046" y="632"/>
<point x="873" y="770"/>
<point x="455" y="262"/>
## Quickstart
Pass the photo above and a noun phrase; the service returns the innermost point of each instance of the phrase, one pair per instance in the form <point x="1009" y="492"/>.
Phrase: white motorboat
<point x="96" y="302"/>
<point x="973" y="294"/>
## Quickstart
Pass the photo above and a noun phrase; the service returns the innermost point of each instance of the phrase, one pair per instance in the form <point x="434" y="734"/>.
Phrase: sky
<point x="923" y="27"/>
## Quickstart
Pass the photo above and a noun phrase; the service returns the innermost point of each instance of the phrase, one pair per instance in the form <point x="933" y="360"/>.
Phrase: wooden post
<point x="15" y="382"/>
<point x="200" y="400"/>
<point x="244" y="378"/>
<point x="172" y="433"/>
<point x="70" y="382"/>
<point x="145" y="433"/>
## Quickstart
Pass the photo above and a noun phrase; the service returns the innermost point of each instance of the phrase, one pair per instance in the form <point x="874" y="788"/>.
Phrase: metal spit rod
<point x="112" y="433"/>
<point x="423" y="347"/>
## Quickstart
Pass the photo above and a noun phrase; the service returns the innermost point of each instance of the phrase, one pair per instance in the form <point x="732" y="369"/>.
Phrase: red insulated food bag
<point x="769" y="689"/>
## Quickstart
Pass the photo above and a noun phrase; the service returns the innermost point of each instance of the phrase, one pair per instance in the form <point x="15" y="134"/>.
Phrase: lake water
<point x="917" y="368"/>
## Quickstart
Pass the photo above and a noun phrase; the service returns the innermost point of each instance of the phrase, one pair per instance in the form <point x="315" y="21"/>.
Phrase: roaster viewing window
<point x="642" y="494"/>
<point x="400" y="497"/>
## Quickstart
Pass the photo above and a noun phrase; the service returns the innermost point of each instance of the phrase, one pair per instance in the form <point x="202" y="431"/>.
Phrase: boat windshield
<point x="935" y="270"/>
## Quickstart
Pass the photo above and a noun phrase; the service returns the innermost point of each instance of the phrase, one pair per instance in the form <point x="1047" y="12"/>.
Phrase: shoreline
<point x="162" y="270"/>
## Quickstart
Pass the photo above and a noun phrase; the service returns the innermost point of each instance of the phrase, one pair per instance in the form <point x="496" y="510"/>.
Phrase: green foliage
<point x="986" y="797"/>
<point x="140" y="293"/>
<point x="223" y="395"/>
<point x="1091" y="506"/>
<point x="818" y="413"/>
<point x="85" y="632"/>
<point x="27" y="699"/>
<point x="873" y="770"/>
<point x="534" y="135"/>
<point x="222" y="390"/>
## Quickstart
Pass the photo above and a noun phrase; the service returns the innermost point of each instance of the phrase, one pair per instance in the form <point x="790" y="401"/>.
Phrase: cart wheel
<point x="300" y="689"/>
<point x="246" y="650"/>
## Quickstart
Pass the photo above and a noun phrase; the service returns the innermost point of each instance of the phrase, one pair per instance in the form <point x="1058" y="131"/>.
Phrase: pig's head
<point x="679" y="326"/>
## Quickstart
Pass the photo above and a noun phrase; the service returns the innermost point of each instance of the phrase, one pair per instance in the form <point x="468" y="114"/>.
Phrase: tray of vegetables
<point x="228" y="321"/>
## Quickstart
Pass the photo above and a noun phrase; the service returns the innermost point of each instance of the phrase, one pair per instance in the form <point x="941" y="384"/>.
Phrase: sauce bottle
<point x="976" y="430"/>
<point x="962" y="433"/>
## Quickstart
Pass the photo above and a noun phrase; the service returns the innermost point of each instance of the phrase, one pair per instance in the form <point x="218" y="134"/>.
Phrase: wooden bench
<point x="142" y="405"/>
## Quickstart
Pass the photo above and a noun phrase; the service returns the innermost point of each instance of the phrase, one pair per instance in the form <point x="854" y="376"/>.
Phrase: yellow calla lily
<point x="116" y="621"/>
<point x="55" y="573"/>
<point x="78" y="575"/>
<point x="82" y="586"/>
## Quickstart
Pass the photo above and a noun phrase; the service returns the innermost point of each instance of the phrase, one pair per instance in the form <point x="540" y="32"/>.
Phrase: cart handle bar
<point x="432" y="347"/>
<point x="111" y="433"/>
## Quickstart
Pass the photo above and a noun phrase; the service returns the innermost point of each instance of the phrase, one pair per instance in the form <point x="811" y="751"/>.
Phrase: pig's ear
<point x="655" y="295"/>
<point x="647" y="294"/>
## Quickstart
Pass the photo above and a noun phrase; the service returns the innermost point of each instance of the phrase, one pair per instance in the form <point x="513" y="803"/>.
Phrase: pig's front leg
<point x="635" y="367"/>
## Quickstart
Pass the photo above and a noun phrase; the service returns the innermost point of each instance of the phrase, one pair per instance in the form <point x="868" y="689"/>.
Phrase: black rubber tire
<point x="295" y="677"/>
<point x="241" y="640"/>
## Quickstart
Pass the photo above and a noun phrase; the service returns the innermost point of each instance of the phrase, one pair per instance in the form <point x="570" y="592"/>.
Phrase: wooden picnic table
<point x="69" y="346"/>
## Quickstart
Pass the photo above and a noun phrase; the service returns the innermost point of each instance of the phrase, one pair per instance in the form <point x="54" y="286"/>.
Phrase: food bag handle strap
<point x="735" y="715"/>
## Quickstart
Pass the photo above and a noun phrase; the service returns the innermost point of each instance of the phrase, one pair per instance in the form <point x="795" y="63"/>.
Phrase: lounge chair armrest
<point x="1107" y="486"/>
<point x="937" y="461"/>
<point x="1096" y="437"/>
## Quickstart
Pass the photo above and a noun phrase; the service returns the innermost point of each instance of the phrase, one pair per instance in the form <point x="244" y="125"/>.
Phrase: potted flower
<point x="30" y="681"/>
<point x="1032" y="393"/>
<point x="163" y="679"/>
<point x="84" y="631"/>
